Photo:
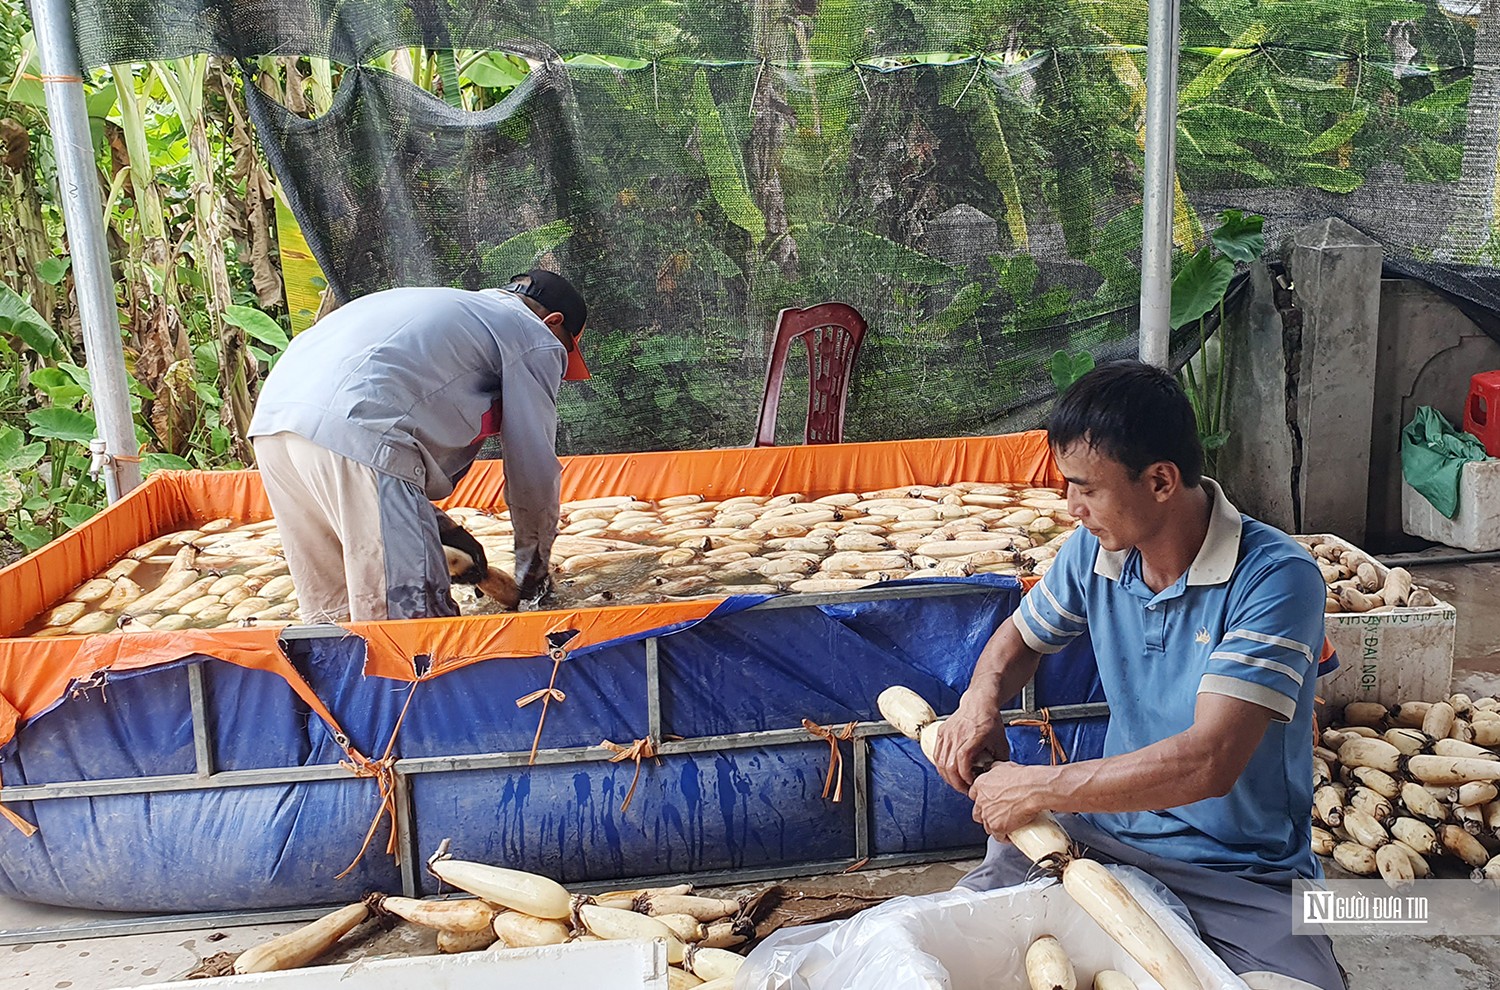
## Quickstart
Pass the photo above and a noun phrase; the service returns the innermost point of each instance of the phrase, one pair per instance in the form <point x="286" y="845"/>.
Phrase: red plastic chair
<point x="833" y="333"/>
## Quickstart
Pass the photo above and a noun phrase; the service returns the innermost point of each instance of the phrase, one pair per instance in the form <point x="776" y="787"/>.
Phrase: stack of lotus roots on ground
<point x="613" y="550"/>
<point x="1358" y="583"/>
<point x="512" y="909"/>
<point x="1410" y="791"/>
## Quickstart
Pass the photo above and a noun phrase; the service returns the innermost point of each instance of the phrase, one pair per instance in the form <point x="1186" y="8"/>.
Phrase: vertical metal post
<point x="653" y="690"/>
<point x="406" y="836"/>
<point x="83" y="216"/>
<point x="1156" y="197"/>
<point x="861" y="797"/>
<point x="203" y="748"/>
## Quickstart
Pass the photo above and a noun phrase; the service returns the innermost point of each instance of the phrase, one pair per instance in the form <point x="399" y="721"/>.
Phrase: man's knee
<point x="1263" y="980"/>
<point x="1003" y="866"/>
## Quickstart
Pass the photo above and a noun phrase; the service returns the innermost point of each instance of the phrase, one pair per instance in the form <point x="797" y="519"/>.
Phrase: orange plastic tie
<point x="26" y="828"/>
<point x="835" y="778"/>
<point x="548" y="694"/>
<point x="52" y="78"/>
<point x="383" y="772"/>
<point x="641" y="749"/>
<point x="1049" y="735"/>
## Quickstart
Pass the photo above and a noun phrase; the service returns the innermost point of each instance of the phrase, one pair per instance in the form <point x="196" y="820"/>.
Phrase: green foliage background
<point x="966" y="173"/>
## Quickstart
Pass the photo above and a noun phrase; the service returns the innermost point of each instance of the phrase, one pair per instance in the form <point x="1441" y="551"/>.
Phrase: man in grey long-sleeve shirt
<point x="380" y="408"/>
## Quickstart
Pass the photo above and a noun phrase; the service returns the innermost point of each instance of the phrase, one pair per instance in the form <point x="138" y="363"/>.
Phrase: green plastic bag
<point x="1433" y="455"/>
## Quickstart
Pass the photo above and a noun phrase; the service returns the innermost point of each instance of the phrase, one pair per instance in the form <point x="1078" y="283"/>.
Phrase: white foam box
<point x="633" y="965"/>
<point x="962" y="940"/>
<point x="1476" y="526"/>
<point x="1389" y="657"/>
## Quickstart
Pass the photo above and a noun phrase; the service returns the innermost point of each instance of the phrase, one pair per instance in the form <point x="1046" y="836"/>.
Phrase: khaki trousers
<point x="361" y="546"/>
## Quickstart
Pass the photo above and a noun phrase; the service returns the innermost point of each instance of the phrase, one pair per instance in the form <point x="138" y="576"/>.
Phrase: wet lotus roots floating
<point x="613" y="550"/>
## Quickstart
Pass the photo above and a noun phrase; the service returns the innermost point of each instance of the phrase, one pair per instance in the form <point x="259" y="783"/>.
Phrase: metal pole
<point x="83" y="216"/>
<point x="1156" y="198"/>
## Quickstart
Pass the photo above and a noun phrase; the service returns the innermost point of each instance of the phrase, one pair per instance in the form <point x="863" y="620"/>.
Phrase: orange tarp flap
<point x="454" y="643"/>
<point x="31" y="688"/>
<point x="35" y="673"/>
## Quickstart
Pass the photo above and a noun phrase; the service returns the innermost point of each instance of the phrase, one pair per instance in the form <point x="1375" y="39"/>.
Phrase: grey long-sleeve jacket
<point x="400" y="380"/>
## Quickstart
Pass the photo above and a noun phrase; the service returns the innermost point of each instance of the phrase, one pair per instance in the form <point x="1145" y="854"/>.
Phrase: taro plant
<point x="1066" y="368"/>
<point x="1198" y="291"/>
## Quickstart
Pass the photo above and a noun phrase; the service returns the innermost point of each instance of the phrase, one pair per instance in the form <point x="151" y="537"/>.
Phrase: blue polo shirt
<point x="1246" y="621"/>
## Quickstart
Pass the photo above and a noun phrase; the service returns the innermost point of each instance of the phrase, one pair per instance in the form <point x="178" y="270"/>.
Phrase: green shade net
<point x="725" y="160"/>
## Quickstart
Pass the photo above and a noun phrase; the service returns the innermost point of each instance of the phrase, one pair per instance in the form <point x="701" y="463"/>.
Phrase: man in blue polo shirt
<point x="1207" y="626"/>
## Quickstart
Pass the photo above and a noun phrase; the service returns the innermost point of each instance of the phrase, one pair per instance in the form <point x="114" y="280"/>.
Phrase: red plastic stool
<point x="1482" y="410"/>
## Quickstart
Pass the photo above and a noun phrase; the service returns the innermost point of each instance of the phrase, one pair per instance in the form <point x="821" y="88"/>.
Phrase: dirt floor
<point x="1374" y="961"/>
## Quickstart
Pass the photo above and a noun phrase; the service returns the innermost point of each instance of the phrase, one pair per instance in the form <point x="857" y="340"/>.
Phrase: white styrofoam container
<point x="1476" y="526"/>
<point x="962" y="940"/>
<point x="1390" y="657"/>
<point x="633" y="965"/>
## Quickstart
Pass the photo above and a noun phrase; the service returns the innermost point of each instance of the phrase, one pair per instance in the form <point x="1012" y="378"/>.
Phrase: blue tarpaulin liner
<point x="746" y="805"/>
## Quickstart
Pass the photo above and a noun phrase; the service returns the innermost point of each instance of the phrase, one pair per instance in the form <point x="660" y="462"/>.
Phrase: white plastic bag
<point x="961" y="940"/>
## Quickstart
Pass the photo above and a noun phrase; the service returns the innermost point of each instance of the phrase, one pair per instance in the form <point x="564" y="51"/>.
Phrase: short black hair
<point x="1133" y="413"/>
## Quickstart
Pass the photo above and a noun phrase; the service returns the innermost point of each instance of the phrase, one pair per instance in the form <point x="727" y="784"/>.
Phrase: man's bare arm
<point x="1004" y="666"/>
<point x="1201" y="762"/>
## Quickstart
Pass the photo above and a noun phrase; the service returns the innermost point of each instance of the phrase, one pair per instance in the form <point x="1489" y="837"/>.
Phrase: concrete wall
<point x="1258" y="458"/>
<point x="1326" y="368"/>
<point x="1428" y="350"/>
<point x="1302" y="366"/>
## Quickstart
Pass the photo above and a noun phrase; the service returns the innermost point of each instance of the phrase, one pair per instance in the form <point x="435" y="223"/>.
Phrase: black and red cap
<point x="558" y="295"/>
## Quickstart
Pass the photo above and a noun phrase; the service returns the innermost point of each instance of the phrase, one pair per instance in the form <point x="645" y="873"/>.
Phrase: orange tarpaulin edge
<point x="1018" y="457"/>
<point x="76" y="658"/>
<point x="35" y="673"/>
<point x="455" y="643"/>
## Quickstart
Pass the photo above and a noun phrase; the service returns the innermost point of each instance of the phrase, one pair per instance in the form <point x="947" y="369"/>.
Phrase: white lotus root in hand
<point x="1044" y="842"/>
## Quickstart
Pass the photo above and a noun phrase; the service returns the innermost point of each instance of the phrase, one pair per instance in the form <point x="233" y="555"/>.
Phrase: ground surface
<point x="1374" y="962"/>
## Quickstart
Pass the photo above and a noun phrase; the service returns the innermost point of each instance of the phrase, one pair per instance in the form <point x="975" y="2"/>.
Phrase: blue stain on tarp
<point x="736" y="671"/>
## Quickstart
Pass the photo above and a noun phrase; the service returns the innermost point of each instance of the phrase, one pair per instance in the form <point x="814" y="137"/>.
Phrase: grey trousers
<point x="360" y="545"/>
<point x="1247" y="923"/>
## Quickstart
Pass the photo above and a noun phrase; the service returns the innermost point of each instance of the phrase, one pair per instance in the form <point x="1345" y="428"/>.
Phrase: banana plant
<point x="1198" y="291"/>
<point x="185" y="82"/>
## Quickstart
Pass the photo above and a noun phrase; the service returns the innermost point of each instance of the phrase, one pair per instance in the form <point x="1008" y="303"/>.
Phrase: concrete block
<point x="1256" y="462"/>
<point x="1335" y="273"/>
<point x="1476" y="526"/>
<point x="962" y="236"/>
